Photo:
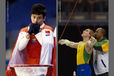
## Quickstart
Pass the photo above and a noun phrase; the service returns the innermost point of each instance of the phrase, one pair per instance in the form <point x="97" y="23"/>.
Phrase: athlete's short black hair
<point x="38" y="9"/>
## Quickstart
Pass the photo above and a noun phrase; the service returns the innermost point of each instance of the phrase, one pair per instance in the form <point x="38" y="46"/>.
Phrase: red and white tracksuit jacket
<point x="39" y="49"/>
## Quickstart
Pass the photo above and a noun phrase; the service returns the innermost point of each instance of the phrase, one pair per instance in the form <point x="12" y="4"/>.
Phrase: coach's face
<point x="98" y="33"/>
<point x="37" y="19"/>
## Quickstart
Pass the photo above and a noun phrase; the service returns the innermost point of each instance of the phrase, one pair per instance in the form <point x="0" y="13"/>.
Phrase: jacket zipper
<point x="103" y="63"/>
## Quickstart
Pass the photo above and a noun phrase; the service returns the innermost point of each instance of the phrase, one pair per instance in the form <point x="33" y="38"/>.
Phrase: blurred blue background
<point x="18" y="16"/>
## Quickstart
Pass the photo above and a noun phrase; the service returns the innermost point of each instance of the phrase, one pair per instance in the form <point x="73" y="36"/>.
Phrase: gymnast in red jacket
<point x="35" y="44"/>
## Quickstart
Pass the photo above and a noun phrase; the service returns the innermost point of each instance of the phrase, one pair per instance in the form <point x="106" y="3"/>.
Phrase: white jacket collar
<point x="41" y="26"/>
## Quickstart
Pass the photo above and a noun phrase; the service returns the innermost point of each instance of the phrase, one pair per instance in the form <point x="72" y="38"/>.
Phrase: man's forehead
<point x="99" y="29"/>
<point x="87" y="29"/>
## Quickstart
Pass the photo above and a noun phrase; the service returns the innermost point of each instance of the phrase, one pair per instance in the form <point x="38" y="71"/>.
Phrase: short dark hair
<point x="38" y="9"/>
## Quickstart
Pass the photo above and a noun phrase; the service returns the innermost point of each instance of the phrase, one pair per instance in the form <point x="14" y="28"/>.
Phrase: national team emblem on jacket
<point x="47" y="33"/>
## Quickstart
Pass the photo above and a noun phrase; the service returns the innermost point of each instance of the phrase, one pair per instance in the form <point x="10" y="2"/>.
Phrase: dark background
<point x="67" y="55"/>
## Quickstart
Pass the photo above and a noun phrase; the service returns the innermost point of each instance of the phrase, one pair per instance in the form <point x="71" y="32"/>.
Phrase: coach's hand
<point x="93" y="40"/>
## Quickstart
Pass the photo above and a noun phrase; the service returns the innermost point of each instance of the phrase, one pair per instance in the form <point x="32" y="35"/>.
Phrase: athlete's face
<point x="86" y="33"/>
<point x="37" y="19"/>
